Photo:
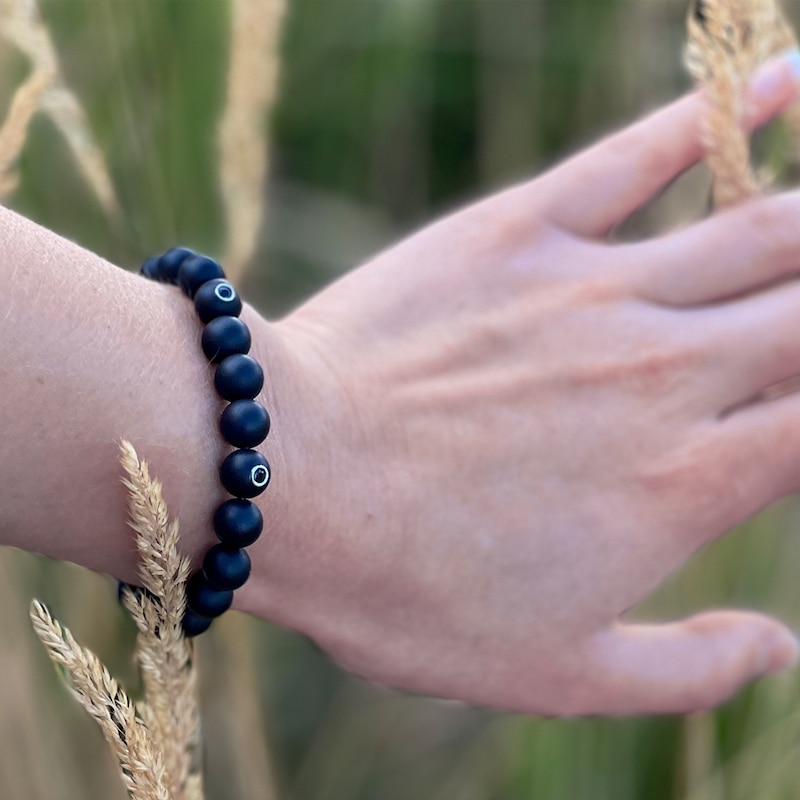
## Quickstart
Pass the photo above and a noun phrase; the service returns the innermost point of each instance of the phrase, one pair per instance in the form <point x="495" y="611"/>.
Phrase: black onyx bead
<point x="238" y="523"/>
<point x="223" y="337"/>
<point x="170" y="262"/>
<point x="195" y="271"/>
<point x="225" y="568"/>
<point x="217" y="298"/>
<point x="244" y="423"/>
<point x="239" y="377"/>
<point x="150" y="269"/>
<point x="205" y="600"/>
<point x="245" y="473"/>
<point x="194" y="624"/>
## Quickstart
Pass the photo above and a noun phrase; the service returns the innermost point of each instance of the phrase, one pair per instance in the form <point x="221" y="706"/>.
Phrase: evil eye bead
<point x="224" y="568"/>
<point x="217" y="298"/>
<point x="194" y="624"/>
<point x="238" y="523"/>
<point x="196" y="271"/>
<point x="245" y="473"/>
<point x="223" y="337"/>
<point x="244" y="423"/>
<point x="205" y="599"/>
<point x="239" y="377"/>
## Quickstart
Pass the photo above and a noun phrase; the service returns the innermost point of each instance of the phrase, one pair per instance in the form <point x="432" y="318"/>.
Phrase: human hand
<point x="503" y="433"/>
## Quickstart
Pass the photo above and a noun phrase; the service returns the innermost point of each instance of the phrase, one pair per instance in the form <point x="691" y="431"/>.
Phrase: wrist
<point x="277" y="589"/>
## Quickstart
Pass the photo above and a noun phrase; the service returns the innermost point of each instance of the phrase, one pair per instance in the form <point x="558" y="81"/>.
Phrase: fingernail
<point x="772" y="76"/>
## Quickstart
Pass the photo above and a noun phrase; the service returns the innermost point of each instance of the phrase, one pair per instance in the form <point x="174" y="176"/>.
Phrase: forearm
<point x="91" y="354"/>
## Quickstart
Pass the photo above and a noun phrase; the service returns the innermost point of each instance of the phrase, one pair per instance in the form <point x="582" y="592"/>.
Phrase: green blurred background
<point x="391" y="112"/>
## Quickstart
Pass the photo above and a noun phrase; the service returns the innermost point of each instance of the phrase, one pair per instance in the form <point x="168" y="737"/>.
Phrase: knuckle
<point x="690" y="470"/>
<point x="773" y="224"/>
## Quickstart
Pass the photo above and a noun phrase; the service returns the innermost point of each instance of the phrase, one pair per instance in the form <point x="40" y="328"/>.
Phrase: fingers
<point x="755" y="343"/>
<point x="737" y="251"/>
<point x="599" y="188"/>
<point x="686" y="666"/>
<point x="761" y="445"/>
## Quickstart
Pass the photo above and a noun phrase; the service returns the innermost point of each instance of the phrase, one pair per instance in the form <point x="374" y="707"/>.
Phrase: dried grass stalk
<point x="720" y="55"/>
<point x="14" y="132"/>
<point x="242" y="145"/>
<point x="157" y="741"/>
<point x="163" y="653"/>
<point x="21" y="24"/>
<point x="142" y="767"/>
<point x="728" y="40"/>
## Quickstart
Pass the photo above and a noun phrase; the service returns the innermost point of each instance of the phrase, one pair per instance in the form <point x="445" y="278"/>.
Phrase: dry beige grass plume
<point x="156" y="742"/>
<point x="241" y="141"/>
<point x="14" y="132"/>
<point x="728" y="39"/>
<point x="21" y="24"/>
<point x="140" y="761"/>
<point x="163" y="653"/>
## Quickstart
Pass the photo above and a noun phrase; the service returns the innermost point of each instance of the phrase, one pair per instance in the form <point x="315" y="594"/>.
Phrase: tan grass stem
<point x="24" y="104"/>
<point x="242" y="144"/>
<point x="22" y="26"/>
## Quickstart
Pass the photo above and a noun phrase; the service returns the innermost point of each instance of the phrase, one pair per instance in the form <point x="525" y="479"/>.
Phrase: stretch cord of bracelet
<point x="244" y="424"/>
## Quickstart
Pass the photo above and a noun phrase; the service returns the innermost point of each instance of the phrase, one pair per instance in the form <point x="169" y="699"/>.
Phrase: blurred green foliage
<point x="391" y="113"/>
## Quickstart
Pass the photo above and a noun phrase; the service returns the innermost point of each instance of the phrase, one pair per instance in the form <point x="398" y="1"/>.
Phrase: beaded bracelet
<point x="244" y="423"/>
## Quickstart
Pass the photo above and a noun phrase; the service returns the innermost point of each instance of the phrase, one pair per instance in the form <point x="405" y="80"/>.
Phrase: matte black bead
<point x="225" y="568"/>
<point x="217" y="298"/>
<point x="170" y="262"/>
<point x="223" y="337"/>
<point x="239" y="377"/>
<point x="195" y="271"/>
<point x="194" y="624"/>
<point x="150" y="269"/>
<point x="204" y="599"/>
<point x="244" y="423"/>
<point x="245" y="473"/>
<point x="238" y="523"/>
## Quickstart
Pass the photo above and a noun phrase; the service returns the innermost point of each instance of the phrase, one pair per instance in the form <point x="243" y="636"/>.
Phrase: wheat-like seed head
<point x="728" y="40"/>
<point x="141" y="762"/>
<point x="156" y="743"/>
<point x="164" y="654"/>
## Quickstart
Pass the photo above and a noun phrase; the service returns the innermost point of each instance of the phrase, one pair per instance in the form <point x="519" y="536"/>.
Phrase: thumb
<point x="686" y="666"/>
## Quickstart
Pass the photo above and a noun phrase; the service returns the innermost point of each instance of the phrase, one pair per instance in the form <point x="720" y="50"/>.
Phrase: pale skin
<point x="488" y="443"/>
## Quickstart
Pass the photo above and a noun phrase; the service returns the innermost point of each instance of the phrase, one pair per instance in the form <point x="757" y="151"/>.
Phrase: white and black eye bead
<point x="217" y="298"/>
<point x="223" y="337"/>
<point x="238" y="523"/>
<point x="194" y="624"/>
<point x="245" y="473"/>
<point x="244" y="423"/>
<point x="170" y="262"/>
<point x="239" y="377"/>
<point x="205" y="599"/>
<point x="225" y="568"/>
<point x="196" y="271"/>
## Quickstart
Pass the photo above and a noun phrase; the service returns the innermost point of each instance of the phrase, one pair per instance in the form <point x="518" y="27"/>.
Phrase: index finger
<point x="599" y="188"/>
